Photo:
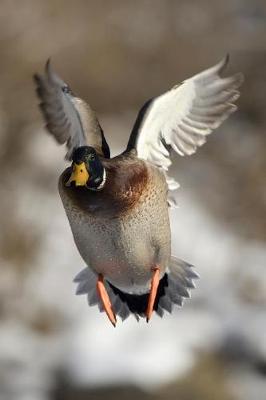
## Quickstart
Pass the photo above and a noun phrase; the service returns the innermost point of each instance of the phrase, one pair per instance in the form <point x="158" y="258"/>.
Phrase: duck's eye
<point x="92" y="157"/>
<point x="66" y="89"/>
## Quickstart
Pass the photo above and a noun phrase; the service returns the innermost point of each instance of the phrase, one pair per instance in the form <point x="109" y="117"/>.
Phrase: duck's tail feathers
<point x="180" y="280"/>
<point x="174" y="286"/>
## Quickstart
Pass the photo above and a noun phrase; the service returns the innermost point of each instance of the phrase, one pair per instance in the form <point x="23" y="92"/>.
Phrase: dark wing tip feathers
<point x="44" y="83"/>
<point x="51" y="76"/>
<point x="48" y="71"/>
<point x="227" y="58"/>
<point x="224" y="63"/>
<point x="37" y="78"/>
<point x="238" y="77"/>
<point x="48" y="64"/>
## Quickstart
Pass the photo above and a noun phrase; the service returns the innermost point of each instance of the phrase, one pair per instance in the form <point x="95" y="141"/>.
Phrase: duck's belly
<point x="125" y="249"/>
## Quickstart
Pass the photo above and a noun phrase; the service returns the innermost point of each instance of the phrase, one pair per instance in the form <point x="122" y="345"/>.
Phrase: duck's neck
<point x="98" y="182"/>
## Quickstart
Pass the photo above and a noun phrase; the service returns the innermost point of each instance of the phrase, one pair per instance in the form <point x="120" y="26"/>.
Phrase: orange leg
<point x="154" y="286"/>
<point x="105" y="300"/>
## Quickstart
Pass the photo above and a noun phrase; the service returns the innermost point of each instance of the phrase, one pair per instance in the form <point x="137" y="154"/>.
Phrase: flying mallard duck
<point x="118" y="207"/>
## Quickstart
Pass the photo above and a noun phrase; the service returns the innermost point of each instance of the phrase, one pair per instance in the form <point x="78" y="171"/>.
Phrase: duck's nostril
<point x="81" y="170"/>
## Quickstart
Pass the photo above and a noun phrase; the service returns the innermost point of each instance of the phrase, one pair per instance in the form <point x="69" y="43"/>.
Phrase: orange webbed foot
<point x="105" y="300"/>
<point x="153" y="292"/>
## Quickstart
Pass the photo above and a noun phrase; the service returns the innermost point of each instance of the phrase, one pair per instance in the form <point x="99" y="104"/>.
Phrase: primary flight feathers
<point x="69" y="119"/>
<point x="181" y="118"/>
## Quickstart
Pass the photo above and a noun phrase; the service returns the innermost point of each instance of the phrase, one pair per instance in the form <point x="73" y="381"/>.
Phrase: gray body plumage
<point x="124" y="247"/>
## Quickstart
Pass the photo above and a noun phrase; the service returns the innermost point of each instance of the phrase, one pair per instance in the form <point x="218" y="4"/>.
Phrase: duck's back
<point x="123" y="230"/>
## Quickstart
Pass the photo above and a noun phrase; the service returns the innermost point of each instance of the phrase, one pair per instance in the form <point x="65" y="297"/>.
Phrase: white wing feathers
<point x="181" y="118"/>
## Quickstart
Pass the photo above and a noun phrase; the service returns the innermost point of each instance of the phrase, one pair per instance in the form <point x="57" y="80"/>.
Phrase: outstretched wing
<point x="181" y="118"/>
<point x="69" y="119"/>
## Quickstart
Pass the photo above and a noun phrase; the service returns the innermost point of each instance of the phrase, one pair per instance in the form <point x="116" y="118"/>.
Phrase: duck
<point x="118" y="207"/>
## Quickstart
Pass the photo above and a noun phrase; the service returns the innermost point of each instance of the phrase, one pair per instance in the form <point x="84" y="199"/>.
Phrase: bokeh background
<point x="116" y="55"/>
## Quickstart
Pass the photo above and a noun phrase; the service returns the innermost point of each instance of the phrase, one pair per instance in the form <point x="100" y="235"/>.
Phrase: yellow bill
<point x="79" y="175"/>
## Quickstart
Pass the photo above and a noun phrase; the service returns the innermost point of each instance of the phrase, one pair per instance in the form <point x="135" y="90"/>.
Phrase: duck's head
<point x="87" y="169"/>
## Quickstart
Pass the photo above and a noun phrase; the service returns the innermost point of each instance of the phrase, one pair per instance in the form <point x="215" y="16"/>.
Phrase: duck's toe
<point x="153" y="292"/>
<point x="105" y="299"/>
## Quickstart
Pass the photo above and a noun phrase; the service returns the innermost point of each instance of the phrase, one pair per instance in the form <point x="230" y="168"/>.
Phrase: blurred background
<point x="116" y="55"/>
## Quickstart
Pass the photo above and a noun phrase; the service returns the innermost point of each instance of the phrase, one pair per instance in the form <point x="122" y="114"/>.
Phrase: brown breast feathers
<point x="126" y="183"/>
